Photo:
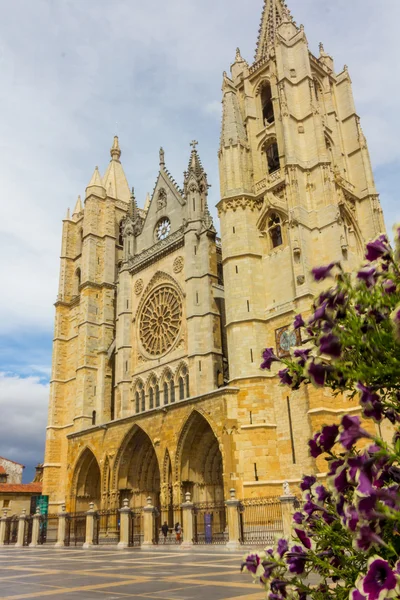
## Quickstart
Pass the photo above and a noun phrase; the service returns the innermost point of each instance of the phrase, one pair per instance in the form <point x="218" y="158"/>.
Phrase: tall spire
<point x="114" y="180"/>
<point x="78" y="207"/>
<point x="233" y="129"/>
<point x="115" y="150"/>
<point x="96" y="179"/>
<point x="274" y="13"/>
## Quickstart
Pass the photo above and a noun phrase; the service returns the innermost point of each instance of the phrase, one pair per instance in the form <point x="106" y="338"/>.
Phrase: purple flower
<point x="351" y="518"/>
<point x="303" y="537"/>
<point x="380" y="578"/>
<point x="340" y="481"/>
<point x="315" y="448"/>
<point x="298" y="322"/>
<point x="282" y="547"/>
<point x="269" y="357"/>
<point x="296" y="560"/>
<point x="251" y="563"/>
<point x="367" y="274"/>
<point x="352" y="431"/>
<point x="285" y="377"/>
<point x="389" y="286"/>
<point x="319" y="314"/>
<point x="377" y="248"/>
<point x="328" y="437"/>
<point x="366" y="537"/>
<point x="322" y="493"/>
<point x="278" y="586"/>
<point x="356" y="595"/>
<point x="330" y="345"/>
<point x="302" y="355"/>
<point x="298" y="518"/>
<point x="370" y="402"/>
<point x="268" y="568"/>
<point x="321" y="273"/>
<point x="307" y="482"/>
<point x="317" y="373"/>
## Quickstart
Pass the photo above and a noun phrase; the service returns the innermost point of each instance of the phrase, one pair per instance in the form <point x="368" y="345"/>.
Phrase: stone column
<point x="148" y="524"/>
<point x="89" y="526"/>
<point x="287" y="504"/>
<point x="187" y="525"/>
<point x="62" y="522"/>
<point x="3" y="522"/>
<point x="124" y="512"/>
<point x="21" y="529"/>
<point x="35" y="529"/>
<point x="232" y="506"/>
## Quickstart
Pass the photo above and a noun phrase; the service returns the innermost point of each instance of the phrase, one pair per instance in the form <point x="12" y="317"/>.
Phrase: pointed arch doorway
<point x="86" y="482"/>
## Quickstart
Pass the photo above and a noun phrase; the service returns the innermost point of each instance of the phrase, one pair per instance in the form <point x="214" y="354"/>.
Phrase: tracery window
<point x="160" y="320"/>
<point x="275" y="230"/>
<point x="140" y="398"/>
<point x="153" y="392"/>
<point x="137" y="402"/>
<point x="183" y="383"/>
<point x="120" y="230"/>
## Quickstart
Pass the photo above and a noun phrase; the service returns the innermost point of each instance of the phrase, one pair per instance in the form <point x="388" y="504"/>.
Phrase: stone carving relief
<point x="138" y="287"/>
<point x="161" y="199"/>
<point x="178" y="264"/>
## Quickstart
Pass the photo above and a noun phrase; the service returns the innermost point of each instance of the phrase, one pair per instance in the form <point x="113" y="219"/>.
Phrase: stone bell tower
<point x="297" y="188"/>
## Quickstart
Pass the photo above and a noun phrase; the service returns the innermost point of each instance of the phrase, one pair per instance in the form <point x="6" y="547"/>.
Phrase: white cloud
<point x="23" y="408"/>
<point x="74" y="73"/>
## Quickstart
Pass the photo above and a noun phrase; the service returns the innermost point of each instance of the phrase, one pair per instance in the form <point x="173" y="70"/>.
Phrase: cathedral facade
<point x="156" y="385"/>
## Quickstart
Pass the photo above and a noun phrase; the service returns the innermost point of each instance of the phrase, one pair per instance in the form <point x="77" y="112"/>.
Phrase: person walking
<point x="178" y="532"/>
<point x="165" y="530"/>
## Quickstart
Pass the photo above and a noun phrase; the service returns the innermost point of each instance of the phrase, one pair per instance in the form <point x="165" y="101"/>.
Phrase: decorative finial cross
<point x="193" y="143"/>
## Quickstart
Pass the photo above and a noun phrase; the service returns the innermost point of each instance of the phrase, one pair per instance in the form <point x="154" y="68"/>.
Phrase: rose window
<point x="160" y="320"/>
<point x="163" y="229"/>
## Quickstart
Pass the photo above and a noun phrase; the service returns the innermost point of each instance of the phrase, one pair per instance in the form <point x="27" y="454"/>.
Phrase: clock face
<point x="286" y="339"/>
<point x="163" y="229"/>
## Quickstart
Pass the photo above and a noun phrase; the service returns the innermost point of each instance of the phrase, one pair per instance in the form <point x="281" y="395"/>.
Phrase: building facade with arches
<point x="156" y="385"/>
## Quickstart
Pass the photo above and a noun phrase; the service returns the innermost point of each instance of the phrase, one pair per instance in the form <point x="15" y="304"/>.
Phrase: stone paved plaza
<point x="109" y="574"/>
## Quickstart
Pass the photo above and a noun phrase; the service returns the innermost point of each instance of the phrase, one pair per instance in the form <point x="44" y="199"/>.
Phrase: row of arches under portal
<point x="137" y="472"/>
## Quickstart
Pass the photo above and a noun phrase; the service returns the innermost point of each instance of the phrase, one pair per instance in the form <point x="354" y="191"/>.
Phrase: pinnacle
<point x="147" y="202"/>
<point x="195" y="165"/>
<point x="115" y="150"/>
<point x="96" y="178"/>
<point x="78" y="207"/>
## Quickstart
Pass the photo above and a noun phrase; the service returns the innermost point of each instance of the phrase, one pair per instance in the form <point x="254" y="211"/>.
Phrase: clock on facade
<point x="285" y="339"/>
<point x="163" y="229"/>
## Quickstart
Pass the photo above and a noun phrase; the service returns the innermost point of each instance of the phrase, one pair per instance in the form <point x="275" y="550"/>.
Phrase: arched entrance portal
<point x="86" y="482"/>
<point x="139" y="473"/>
<point x="201" y="468"/>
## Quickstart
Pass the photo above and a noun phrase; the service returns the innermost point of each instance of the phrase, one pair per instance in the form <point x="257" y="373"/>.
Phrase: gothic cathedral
<point x="156" y="385"/>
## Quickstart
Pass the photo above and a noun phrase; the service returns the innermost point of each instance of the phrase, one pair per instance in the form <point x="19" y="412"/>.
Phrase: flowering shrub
<point x="347" y="533"/>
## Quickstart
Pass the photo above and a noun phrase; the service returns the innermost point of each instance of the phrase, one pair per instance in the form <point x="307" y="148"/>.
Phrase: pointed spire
<point x="195" y="165"/>
<point x="67" y="216"/>
<point x="96" y="179"/>
<point x="207" y="218"/>
<point x="78" y="207"/>
<point x="114" y="180"/>
<point x="133" y="209"/>
<point x="147" y="202"/>
<point x="274" y="13"/>
<point x="162" y="158"/>
<point x="115" y="150"/>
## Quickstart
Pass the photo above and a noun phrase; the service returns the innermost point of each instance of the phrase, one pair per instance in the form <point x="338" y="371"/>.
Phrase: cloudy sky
<point x="74" y="73"/>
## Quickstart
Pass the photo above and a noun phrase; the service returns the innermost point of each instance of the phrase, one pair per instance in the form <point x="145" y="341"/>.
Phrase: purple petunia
<point x="251" y="563"/>
<point x="389" y="286"/>
<point x="268" y="358"/>
<point x="285" y="377"/>
<point x="379" y="579"/>
<point x="356" y="595"/>
<point x="298" y="322"/>
<point x="367" y="275"/>
<point x="302" y="355"/>
<point x="321" y="273"/>
<point x="317" y="373"/>
<point x="330" y="345"/>
<point x="307" y="482"/>
<point x="282" y="547"/>
<point x="319" y="314"/>
<point x="352" y="431"/>
<point x="303" y="537"/>
<point x="328" y="437"/>
<point x="296" y="560"/>
<point x="377" y="248"/>
<point x="370" y="403"/>
<point x="322" y="493"/>
<point x="366" y="537"/>
<point x="298" y="518"/>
